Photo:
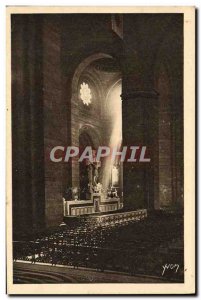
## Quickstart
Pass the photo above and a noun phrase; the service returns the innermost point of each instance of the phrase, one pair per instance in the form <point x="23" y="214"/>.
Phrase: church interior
<point x="97" y="80"/>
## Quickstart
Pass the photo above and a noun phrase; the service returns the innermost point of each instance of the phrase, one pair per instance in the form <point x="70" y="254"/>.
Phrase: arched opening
<point x="96" y="116"/>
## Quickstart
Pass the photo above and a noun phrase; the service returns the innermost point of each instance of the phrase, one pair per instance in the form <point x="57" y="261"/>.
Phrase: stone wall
<point x="55" y="119"/>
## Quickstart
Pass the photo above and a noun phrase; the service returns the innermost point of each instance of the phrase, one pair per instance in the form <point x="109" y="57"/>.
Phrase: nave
<point x="136" y="247"/>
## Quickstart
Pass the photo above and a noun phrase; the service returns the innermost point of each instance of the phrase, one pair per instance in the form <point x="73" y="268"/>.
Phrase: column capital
<point x="133" y="94"/>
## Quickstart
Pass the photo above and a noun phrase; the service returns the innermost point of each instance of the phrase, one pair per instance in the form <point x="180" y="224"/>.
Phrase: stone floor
<point x="43" y="273"/>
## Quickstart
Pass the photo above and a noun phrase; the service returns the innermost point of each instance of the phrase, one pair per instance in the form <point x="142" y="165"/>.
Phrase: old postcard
<point x="100" y="150"/>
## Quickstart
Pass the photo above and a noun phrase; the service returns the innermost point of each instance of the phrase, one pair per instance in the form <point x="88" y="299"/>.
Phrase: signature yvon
<point x="174" y="267"/>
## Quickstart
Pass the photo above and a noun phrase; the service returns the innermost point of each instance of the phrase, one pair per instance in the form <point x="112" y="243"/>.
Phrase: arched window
<point x="85" y="93"/>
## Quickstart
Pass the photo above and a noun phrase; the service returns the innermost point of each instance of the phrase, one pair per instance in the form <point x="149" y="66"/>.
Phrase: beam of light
<point x="115" y="115"/>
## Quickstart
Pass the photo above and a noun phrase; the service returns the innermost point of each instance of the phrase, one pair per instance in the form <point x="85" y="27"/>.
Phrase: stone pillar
<point x="27" y="124"/>
<point x="140" y="128"/>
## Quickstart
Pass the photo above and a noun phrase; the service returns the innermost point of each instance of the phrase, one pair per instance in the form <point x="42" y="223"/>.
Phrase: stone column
<point x="140" y="128"/>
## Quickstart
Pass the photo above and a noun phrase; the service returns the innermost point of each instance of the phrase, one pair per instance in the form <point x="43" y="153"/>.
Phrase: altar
<point x="91" y="197"/>
<point x="96" y="205"/>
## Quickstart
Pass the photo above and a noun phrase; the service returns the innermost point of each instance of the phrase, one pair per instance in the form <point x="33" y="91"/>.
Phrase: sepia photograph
<point x="100" y="169"/>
